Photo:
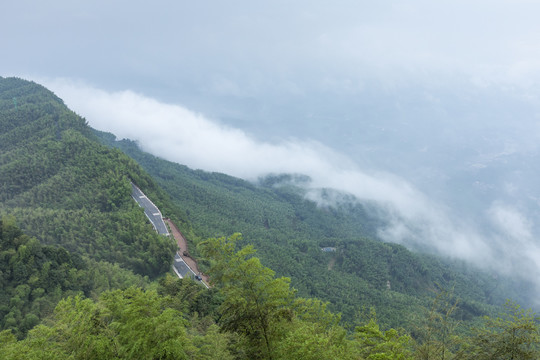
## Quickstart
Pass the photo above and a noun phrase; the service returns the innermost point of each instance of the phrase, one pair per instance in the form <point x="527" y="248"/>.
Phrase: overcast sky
<point x="429" y="108"/>
<point x="246" y="48"/>
<point x="305" y="69"/>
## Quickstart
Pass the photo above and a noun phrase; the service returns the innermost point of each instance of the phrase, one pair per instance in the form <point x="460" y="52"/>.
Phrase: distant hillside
<point x="289" y="232"/>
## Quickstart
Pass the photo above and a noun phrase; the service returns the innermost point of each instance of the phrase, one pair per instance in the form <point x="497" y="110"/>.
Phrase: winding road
<point x="183" y="266"/>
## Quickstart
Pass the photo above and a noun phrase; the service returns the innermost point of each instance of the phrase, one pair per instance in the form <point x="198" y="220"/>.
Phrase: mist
<point x="498" y="233"/>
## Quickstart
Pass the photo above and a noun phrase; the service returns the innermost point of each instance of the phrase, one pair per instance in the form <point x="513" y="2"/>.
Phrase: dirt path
<point x="183" y="248"/>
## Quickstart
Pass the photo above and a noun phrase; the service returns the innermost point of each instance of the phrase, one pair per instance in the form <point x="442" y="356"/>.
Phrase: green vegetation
<point x="250" y="315"/>
<point x="514" y="334"/>
<point x="34" y="277"/>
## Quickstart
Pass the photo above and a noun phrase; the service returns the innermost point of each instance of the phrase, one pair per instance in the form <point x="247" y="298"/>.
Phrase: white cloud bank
<point x="180" y="135"/>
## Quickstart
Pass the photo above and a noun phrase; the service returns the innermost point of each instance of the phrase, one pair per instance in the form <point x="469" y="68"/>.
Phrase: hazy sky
<point x="247" y="49"/>
<point x="430" y="108"/>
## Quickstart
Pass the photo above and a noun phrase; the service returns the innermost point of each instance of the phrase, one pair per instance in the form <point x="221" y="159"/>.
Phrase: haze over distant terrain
<point x="430" y="109"/>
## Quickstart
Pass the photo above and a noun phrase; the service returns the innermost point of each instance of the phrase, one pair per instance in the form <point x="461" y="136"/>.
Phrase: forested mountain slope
<point x="289" y="232"/>
<point x="65" y="188"/>
<point x="61" y="186"/>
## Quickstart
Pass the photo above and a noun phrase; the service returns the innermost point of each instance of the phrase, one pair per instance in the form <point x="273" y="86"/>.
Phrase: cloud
<point x="178" y="134"/>
<point x="183" y="136"/>
<point x="511" y="222"/>
<point x="516" y="250"/>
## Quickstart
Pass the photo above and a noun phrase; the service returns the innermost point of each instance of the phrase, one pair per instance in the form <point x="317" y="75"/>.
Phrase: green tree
<point x="314" y="333"/>
<point x="375" y="344"/>
<point x="511" y="336"/>
<point x="128" y="324"/>
<point x="41" y="343"/>
<point x="212" y="345"/>
<point x="255" y="303"/>
<point x="437" y="338"/>
<point x="307" y="340"/>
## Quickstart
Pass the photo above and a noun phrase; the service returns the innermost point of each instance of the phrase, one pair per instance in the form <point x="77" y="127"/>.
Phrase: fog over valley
<point x="429" y="110"/>
<point x="456" y="196"/>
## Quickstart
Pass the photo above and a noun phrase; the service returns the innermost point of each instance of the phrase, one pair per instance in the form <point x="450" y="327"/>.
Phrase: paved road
<point x="151" y="210"/>
<point x="154" y="215"/>
<point x="181" y="268"/>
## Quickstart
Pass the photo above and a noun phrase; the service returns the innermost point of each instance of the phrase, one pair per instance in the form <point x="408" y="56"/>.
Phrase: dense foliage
<point x="34" y="277"/>
<point x="249" y="314"/>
